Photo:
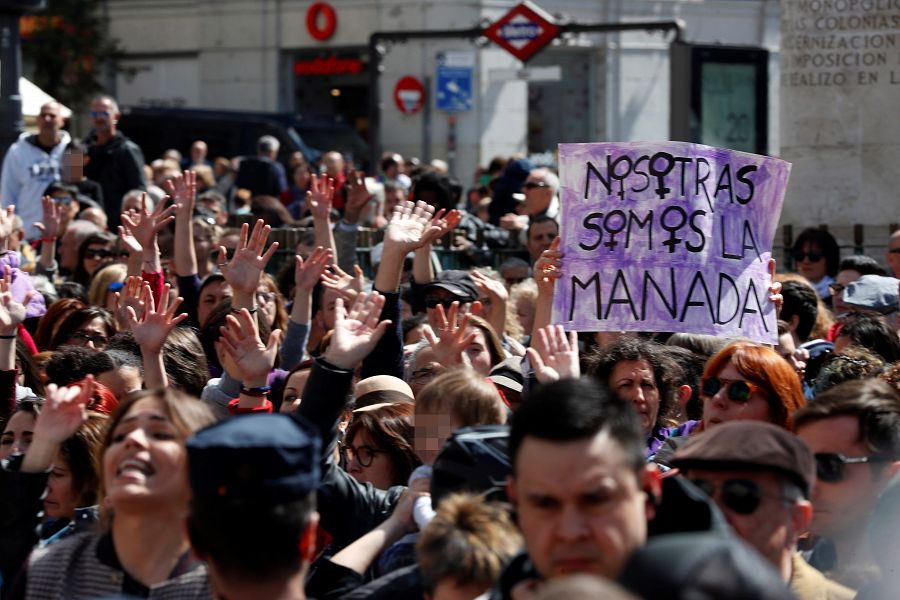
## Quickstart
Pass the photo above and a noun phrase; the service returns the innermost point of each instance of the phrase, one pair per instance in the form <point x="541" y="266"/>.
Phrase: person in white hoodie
<point x="33" y="163"/>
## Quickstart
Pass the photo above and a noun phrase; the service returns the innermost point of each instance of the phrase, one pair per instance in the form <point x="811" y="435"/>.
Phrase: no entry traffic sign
<point x="523" y="31"/>
<point x="409" y="95"/>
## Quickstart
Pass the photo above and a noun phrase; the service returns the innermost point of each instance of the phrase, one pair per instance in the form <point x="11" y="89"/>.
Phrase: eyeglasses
<point x="433" y="301"/>
<point x="99" y="253"/>
<point x="530" y="185"/>
<point x="800" y="256"/>
<point x="830" y="466"/>
<point x="893" y="250"/>
<point x="100" y="113"/>
<point x="738" y="389"/>
<point x="742" y="496"/>
<point x="364" y="454"/>
<point x="836" y="288"/>
<point x="82" y="338"/>
<point x="424" y="374"/>
<point x="265" y="297"/>
<point x="67" y="200"/>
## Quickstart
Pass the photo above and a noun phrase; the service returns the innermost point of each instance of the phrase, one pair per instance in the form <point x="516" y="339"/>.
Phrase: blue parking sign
<point x="454" y="81"/>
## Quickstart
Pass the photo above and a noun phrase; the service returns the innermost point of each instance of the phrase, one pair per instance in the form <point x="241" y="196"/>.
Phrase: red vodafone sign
<point x="409" y="95"/>
<point x="321" y="20"/>
<point x="523" y="31"/>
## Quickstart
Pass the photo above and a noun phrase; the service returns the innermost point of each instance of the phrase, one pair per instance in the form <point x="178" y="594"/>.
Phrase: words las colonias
<point x="667" y="237"/>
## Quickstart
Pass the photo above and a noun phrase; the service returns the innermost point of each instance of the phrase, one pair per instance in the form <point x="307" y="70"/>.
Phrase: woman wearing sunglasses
<point x="747" y="381"/>
<point x="817" y="256"/>
<point x="97" y="250"/>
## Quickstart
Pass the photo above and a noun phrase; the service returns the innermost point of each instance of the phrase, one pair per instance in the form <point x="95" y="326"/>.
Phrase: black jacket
<point x="118" y="166"/>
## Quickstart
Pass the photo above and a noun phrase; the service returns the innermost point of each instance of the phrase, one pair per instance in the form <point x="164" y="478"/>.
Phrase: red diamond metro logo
<point x="523" y="31"/>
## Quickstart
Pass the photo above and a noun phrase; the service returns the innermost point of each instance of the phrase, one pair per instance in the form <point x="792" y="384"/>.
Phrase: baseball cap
<point x="458" y="283"/>
<point x="749" y="445"/>
<point x="874" y="292"/>
<point x="264" y="458"/>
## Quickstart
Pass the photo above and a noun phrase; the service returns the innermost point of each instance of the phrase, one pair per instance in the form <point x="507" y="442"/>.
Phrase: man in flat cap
<point x="761" y="476"/>
<point x="252" y="516"/>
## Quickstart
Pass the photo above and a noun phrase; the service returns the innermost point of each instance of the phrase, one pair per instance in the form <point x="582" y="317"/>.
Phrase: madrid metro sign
<point x="523" y="31"/>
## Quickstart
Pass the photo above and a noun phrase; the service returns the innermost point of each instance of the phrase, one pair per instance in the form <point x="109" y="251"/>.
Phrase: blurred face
<point x="301" y="177"/>
<point x="426" y="369"/>
<point x="773" y="527"/>
<point x="842" y="507"/>
<point x="132" y="203"/>
<point x="265" y="300"/>
<point x="893" y="255"/>
<point x="633" y="380"/>
<point x="431" y="431"/>
<point x="103" y="116"/>
<point x="525" y="308"/>
<point x="96" y="255"/>
<point x="50" y="120"/>
<point x="60" y="501"/>
<point x="17" y="436"/>
<point x="478" y="352"/>
<point x="540" y="237"/>
<point x="93" y="334"/>
<point x="720" y="408"/>
<point x="203" y="242"/>
<point x="146" y="463"/>
<point x="212" y="294"/>
<point x="368" y="463"/>
<point x="73" y="163"/>
<point x="391" y="200"/>
<point x="198" y="152"/>
<point x="811" y="262"/>
<point x="217" y="211"/>
<point x="333" y="163"/>
<point x="122" y="381"/>
<point x="293" y="391"/>
<point x="537" y="196"/>
<point x="581" y="509"/>
<point x="787" y="349"/>
<point x="836" y="289"/>
<point x="68" y="205"/>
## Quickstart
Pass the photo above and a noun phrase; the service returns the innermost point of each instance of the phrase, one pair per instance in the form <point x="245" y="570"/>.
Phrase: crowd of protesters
<point x="179" y="423"/>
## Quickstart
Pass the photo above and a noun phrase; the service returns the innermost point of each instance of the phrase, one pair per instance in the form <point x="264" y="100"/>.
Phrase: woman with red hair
<point x="748" y="381"/>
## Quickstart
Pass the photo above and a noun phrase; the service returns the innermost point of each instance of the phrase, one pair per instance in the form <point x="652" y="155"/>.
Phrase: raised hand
<point x="554" y="355"/>
<point x="356" y="332"/>
<point x="493" y="289"/>
<point x="7" y="223"/>
<point x="155" y="325"/>
<point x="341" y="282"/>
<point x="448" y="339"/>
<point x="320" y="196"/>
<point x="11" y="312"/>
<point x="145" y="225"/>
<point x="50" y="219"/>
<point x="307" y="273"/>
<point x="547" y="268"/>
<point x="444" y="222"/>
<point x="251" y="358"/>
<point x="410" y="227"/>
<point x="358" y="196"/>
<point x="183" y="191"/>
<point x="64" y="411"/>
<point x="243" y="271"/>
<point x="130" y="296"/>
<point x="775" y="296"/>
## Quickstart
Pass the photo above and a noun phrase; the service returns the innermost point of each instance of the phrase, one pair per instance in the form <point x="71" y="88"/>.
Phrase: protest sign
<point x="667" y="237"/>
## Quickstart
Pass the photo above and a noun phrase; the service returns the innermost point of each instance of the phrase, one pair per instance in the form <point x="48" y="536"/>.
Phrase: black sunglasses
<point x="101" y="253"/>
<point x="836" y="288"/>
<point x="738" y="495"/>
<point x="831" y="466"/>
<point x="800" y="256"/>
<point x="434" y="301"/>
<point x="738" y="389"/>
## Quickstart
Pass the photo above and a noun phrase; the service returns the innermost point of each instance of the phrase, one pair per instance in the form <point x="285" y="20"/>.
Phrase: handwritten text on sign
<point x="667" y="237"/>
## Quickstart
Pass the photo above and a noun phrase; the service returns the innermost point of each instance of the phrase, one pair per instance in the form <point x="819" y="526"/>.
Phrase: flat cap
<point x="750" y="445"/>
<point x="262" y="458"/>
<point x="874" y="292"/>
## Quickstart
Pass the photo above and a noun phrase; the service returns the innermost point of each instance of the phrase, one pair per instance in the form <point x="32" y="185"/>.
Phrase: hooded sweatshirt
<point x="27" y="171"/>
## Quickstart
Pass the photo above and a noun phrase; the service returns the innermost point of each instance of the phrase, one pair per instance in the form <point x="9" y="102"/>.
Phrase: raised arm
<point x="144" y="228"/>
<point x="499" y="296"/>
<point x="319" y="199"/>
<point x="306" y="275"/>
<point x="151" y="331"/>
<point x="61" y="415"/>
<point x="244" y="269"/>
<point x="49" y="228"/>
<point x="554" y="355"/>
<point x="252" y="361"/>
<point x="183" y="190"/>
<point x="11" y="315"/>
<point x="546" y="272"/>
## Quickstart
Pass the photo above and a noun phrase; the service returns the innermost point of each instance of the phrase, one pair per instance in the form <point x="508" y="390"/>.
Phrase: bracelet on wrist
<point x="49" y="240"/>
<point x="7" y="337"/>
<point x="262" y="390"/>
<point x="252" y="311"/>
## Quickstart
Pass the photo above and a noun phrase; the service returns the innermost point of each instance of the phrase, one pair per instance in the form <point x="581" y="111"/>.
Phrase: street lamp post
<point x="11" y="124"/>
